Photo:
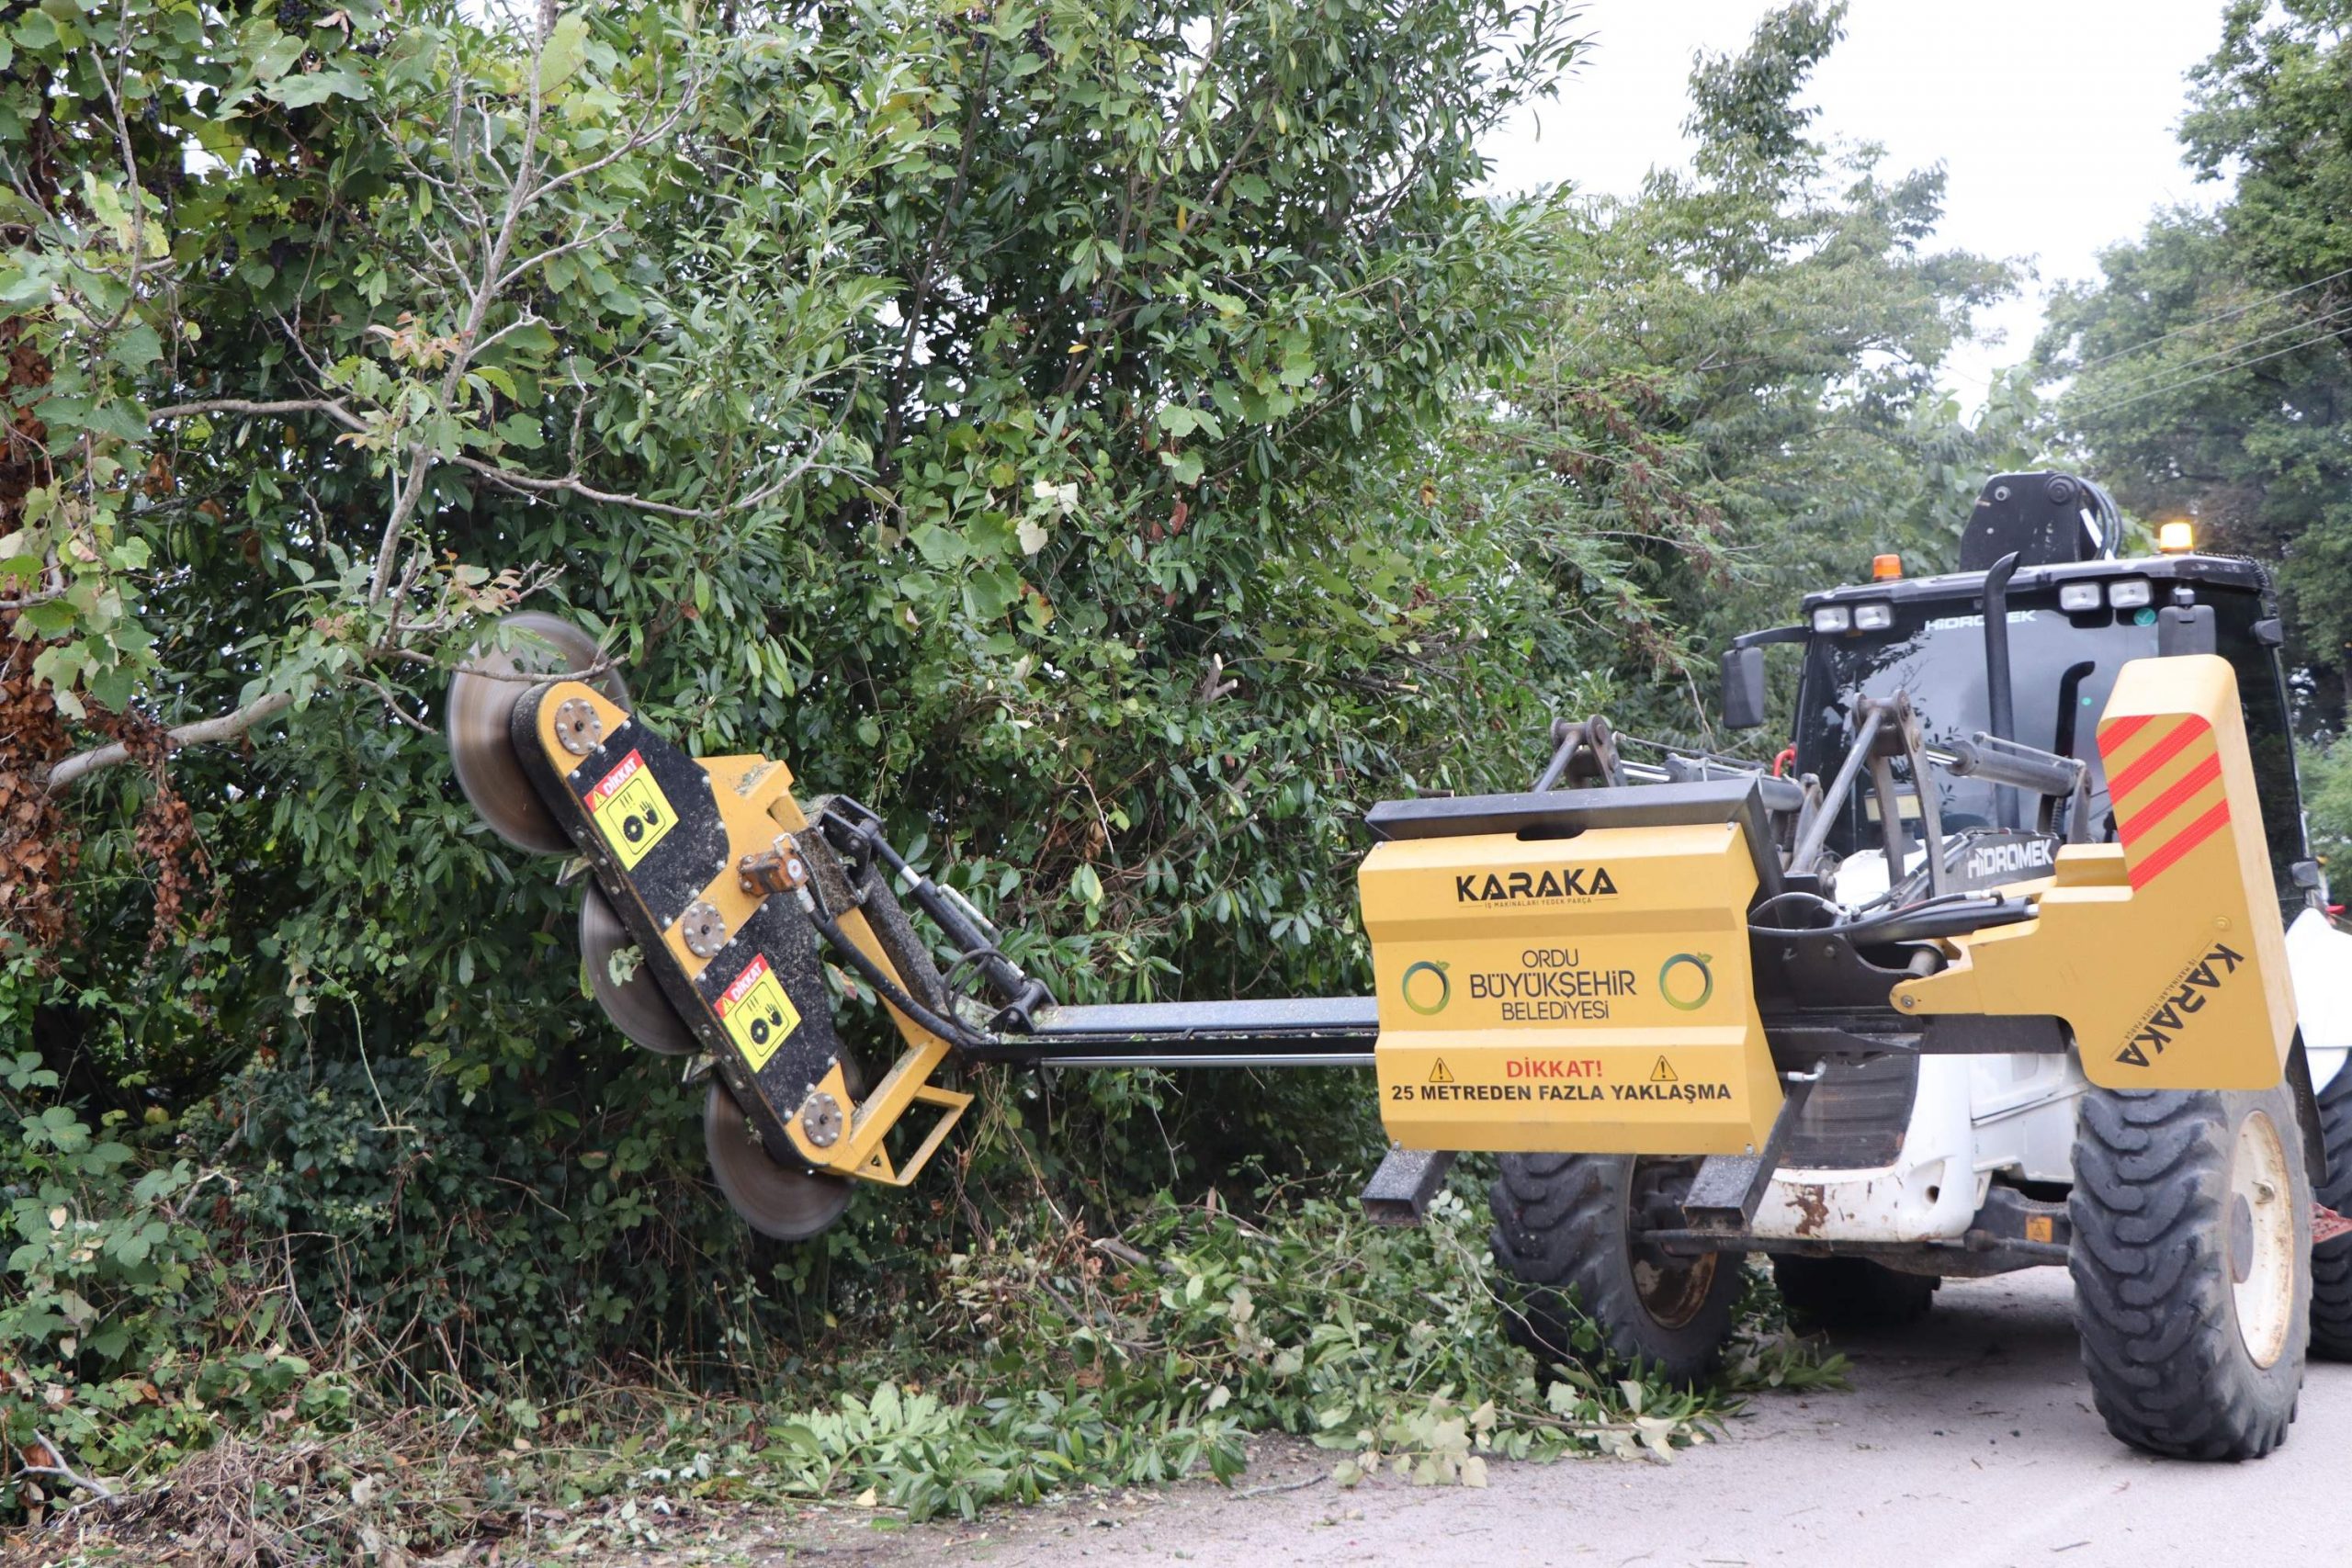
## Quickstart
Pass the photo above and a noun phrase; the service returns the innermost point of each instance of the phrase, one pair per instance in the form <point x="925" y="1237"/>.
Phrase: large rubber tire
<point x="1850" y="1293"/>
<point x="2192" y="1218"/>
<point x="2332" y="1260"/>
<point x="1565" y="1231"/>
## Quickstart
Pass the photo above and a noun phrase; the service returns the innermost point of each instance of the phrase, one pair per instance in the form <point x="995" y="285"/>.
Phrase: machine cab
<point x="2072" y="619"/>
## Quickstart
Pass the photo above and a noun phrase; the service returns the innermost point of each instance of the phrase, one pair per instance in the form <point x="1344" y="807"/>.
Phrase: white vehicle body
<point x="1977" y="1117"/>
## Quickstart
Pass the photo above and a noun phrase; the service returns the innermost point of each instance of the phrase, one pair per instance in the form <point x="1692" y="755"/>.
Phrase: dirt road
<point x="1968" y="1441"/>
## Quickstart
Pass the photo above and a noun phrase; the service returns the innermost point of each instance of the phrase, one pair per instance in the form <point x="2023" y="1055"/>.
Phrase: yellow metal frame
<point x="755" y="801"/>
<point x="2164" y="953"/>
<point x="1594" y="993"/>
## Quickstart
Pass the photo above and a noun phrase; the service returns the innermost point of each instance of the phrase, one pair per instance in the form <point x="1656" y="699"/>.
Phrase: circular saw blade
<point x="636" y="1005"/>
<point x="482" y="699"/>
<point x="774" y="1200"/>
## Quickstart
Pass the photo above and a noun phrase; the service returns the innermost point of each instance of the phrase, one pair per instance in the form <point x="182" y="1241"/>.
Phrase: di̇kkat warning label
<point x="1561" y="1078"/>
<point x="631" y="810"/>
<point x="758" y="1015"/>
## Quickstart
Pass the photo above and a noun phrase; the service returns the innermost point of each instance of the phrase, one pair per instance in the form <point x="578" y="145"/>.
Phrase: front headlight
<point x="2128" y="592"/>
<point x="1832" y="618"/>
<point x="1874" y="617"/>
<point x="2077" y="597"/>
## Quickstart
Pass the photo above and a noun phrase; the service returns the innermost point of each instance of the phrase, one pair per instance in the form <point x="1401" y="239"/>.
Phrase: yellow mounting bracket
<point x="2164" y="953"/>
<point x="859" y="1151"/>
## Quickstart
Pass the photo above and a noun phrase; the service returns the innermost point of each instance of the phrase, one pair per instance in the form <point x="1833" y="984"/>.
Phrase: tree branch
<point x="74" y="769"/>
<point x="570" y="486"/>
<point x="411" y="490"/>
<point x="62" y="1471"/>
<point x="521" y="267"/>
<point x="341" y="414"/>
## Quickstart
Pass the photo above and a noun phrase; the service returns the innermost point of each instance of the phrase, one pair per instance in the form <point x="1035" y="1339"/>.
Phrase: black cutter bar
<point x="1302" y="1031"/>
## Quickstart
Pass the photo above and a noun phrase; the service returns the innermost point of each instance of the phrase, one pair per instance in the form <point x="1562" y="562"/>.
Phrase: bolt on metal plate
<point x="704" y="928"/>
<point x="578" y="727"/>
<point x="820" y="1119"/>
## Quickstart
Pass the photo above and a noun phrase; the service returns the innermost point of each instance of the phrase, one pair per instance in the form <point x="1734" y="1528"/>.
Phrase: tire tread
<point x="2152" y="1293"/>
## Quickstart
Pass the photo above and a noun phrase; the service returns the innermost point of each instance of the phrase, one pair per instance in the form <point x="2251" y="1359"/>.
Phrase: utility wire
<point x="2209" y="321"/>
<point x="2306" y="324"/>
<point x="2105" y="409"/>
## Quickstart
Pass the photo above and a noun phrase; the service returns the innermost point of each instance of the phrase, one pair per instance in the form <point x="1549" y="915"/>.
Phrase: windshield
<point x="2062" y="669"/>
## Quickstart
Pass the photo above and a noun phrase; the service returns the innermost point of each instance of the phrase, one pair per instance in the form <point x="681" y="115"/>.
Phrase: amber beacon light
<point x="1885" y="567"/>
<point x="2177" y="538"/>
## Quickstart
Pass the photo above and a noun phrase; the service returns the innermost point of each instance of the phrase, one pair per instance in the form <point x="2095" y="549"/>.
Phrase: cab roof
<point x="2216" y="571"/>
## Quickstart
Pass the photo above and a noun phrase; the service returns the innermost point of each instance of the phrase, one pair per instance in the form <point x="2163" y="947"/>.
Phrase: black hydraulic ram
<point x="1300" y="1031"/>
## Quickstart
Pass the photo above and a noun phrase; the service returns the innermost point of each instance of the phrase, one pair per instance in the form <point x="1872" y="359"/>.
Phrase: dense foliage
<point x="1118" y="440"/>
<point x="1732" y="397"/>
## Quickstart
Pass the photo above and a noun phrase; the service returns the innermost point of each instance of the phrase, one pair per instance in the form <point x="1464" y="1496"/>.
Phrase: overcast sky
<point x="2054" y="119"/>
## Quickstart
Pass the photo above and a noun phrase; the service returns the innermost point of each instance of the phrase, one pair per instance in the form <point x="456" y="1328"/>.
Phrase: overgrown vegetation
<point x="1118" y="440"/>
<point x="1051" y="1357"/>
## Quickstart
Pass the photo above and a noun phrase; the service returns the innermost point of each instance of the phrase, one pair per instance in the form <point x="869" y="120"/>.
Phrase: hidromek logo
<point x="1568" y="882"/>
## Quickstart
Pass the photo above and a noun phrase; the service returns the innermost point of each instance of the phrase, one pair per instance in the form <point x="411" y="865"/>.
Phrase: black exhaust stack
<point x="2037" y="519"/>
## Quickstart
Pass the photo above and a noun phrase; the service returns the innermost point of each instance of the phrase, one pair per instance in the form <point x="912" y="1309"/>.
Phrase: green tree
<point x="2205" y="370"/>
<point x="1733" y="399"/>
<point x="1118" y="440"/>
<point x="1003" y="414"/>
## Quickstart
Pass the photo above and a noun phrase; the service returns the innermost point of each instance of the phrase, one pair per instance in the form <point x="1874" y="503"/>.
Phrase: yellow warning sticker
<point x="1663" y="1072"/>
<point x="1438" y="1073"/>
<point x="631" y="810"/>
<point x="758" y="1015"/>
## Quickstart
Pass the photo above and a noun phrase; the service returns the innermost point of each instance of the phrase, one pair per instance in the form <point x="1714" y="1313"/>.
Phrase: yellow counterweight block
<point x="2165" y="952"/>
<point x="1585" y="995"/>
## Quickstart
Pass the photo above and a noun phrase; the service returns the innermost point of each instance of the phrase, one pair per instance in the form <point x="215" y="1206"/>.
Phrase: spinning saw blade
<point x="776" y="1200"/>
<point x="482" y="699"/>
<point x="636" y="1005"/>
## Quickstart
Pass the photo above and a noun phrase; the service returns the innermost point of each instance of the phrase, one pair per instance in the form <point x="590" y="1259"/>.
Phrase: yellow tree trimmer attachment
<point x="716" y="901"/>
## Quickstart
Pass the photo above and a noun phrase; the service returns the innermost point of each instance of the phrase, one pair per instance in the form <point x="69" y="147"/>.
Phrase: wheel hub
<point x="2261" y="1239"/>
<point x="1672" y="1290"/>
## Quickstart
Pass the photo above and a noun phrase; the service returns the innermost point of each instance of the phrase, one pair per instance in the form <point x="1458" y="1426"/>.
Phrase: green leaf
<point x="529" y="340"/>
<point x="938" y="547"/>
<point x="492" y="376"/>
<point x="560" y="60"/>
<point x="277" y="54"/>
<point x="136" y="347"/>
<point x="301" y="90"/>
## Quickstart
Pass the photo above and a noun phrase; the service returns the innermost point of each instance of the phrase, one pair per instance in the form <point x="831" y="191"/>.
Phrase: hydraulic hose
<point x="1018" y="994"/>
<point x="1955" y="916"/>
<point x="949" y="1030"/>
